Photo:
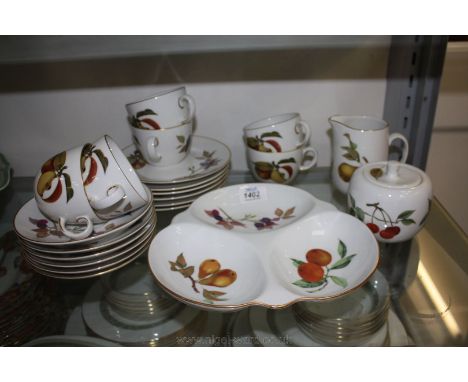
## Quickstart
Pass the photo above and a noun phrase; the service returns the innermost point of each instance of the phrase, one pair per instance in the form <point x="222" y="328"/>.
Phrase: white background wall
<point x="35" y="125"/>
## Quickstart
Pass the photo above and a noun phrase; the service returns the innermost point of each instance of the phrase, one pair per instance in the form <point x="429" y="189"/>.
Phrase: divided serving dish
<point x="261" y="244"/>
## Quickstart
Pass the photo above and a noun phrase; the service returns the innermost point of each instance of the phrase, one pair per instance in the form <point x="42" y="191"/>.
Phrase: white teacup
<point x="164" y="147"/>
<point x="358" y="140"/>
<point x="279" y="133"/>
<point x="111" y="183"/>
<point x="162" y="110"/>
<point x="60" y="195"/>
<point x="280" y="167"/>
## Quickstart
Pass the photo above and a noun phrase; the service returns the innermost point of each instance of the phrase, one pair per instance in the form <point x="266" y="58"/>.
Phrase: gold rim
<point x="331" y="119"/>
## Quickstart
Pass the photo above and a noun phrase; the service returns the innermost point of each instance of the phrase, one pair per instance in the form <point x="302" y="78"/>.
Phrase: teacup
<point x="86" y="185"/>
<point x="60" y="195"/>
<point x="165" y="109"/>
<point x="279" y="133"/>
<point x="110" y="182"/>
<point x="280" y="167"/>
<point x="164" y="147"/>
<point x="358" y="140"/>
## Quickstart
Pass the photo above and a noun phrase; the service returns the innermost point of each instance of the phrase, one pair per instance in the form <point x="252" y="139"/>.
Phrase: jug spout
<point x="357" y="122"/>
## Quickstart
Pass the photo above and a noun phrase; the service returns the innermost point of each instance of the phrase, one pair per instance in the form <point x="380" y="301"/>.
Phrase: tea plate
<point x="321" y="256"/>
<point x="106" y="246"/>
<point x="206" y="157"/>
<point x="101" y="258"/>
<point x="279" y="328"/>
<point x="205" y="183"/>
<point x="32" y="226"/>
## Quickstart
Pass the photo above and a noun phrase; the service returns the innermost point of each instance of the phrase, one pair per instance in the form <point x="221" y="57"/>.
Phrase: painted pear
<point x="346" y="171"/>
<point x="263" y="169"/>
<point x="208" y="267"/>
<point x="221" y="279"/>
<point x="276" y="176"/>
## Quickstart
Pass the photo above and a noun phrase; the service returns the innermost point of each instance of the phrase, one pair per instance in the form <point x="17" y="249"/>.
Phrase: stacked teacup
<point x="162" y="126"/>
<point x="84" y="199"/>
<point x="277" y="148"/>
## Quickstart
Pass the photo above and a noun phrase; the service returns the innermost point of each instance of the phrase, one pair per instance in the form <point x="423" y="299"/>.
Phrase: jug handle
<point x="395" y="136"/>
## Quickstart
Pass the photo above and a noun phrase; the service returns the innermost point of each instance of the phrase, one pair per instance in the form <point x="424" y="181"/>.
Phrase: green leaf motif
<point x="102" y="158"/>
<point x="187" y="272"/>
<point x="340" y="281"/>
<point x="68" y="185"/>
<point x="274" y="134"/>
<point x="212" y="295"/>
<point x="181" y="138"/>
<point x="405" y="214"/>
<point x="342" y="249"/>
<point x="352" y="201"/>
<point x="145" y="112"/>
<point x="306" y="284"/>
<point x="408" y="221"/>
<point x="342" y="263"/>
<point x="296" y="262"/>
<point x="288" y="160"/>
<point x="181" y="260"/>
<point x="359" y="213"/>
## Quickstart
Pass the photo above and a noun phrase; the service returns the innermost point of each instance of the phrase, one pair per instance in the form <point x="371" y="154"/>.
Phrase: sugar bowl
<point x="393" y="199"/>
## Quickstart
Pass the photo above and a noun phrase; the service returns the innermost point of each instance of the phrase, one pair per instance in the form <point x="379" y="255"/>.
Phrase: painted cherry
<point x="373" y="227"/>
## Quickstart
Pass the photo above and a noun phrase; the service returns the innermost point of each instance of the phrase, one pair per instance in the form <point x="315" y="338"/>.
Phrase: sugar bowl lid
<point x="393" y="174"/>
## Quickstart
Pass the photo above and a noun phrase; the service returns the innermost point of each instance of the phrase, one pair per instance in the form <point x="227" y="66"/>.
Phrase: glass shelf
<point x="428" y="279"/>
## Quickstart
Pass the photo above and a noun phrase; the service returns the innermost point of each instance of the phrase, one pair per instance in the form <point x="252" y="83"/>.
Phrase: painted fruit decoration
<point x="380" y="217"/>
<point x="346" y="170"/>
<point x="316" y="272"/>
<point x="263" y="142"/>
<point x="143" y="120"/>
<point x="49" y="185"/>
<point x="210" y="274"/>
<point x="136" y="160"/>
<point x="184" y="143"/>
<point x="279" y="172"/>
<point x="89" y="164"/>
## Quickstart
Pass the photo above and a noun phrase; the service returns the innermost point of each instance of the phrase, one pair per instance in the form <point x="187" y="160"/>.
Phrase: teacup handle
<point x="303" y="126"/>
<point x="110" y="199"/>
<point x="312" y="162"/>
<point x="395" y="136"/>
<point x="188" y="99"/>
<point x="151" y="145"/>
<point x="80" y="235"/>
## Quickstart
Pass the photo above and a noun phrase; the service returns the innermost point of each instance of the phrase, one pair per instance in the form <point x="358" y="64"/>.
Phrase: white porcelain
<point x="280" y="167"/>
<point x="358" y="140"/>
<point x="284" y="132"/>
<point x="33" y="226"/>
<point x="392" y="198"/>
<point x="207" y="157"/>
<point x="67" y="340"/>
<point x="279" y="328"/>
<point x="104" y="323"/>
<point x="267" y="266"/>
<point x="60" y="194"/>
<point x="110" y="243"/>
<point x="254" y="207"/>
<point x="164" y="109"/>
<point x="116" y="188"/>
<point x="163" y="147"/>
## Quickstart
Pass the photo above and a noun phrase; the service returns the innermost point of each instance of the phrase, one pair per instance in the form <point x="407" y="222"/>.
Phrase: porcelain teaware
<point x="164" y="147"/>
<point x="281" y="167"/>
<point x="358" y="140"/>
<point x="393" y="199"/>
<point x="164" y="109"/>
<point x="283" y="132"/>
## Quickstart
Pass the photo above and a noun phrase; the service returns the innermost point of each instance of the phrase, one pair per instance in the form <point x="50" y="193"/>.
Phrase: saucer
<point x="206" y="157"/>
<point x="32" y="226"/>
<point x="67" y="341"/>
<point x="99" y="319"/>
<point x="279" y="328"/>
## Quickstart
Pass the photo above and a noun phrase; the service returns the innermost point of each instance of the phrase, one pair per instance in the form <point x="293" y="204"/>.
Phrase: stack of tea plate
<point x="205" y="168"/>
<point x="29" y="305"/>
<point x="111" y="246"/>
<point x="128" y="308"/>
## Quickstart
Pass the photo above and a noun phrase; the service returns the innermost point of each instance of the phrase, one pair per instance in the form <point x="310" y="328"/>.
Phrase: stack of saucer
<point x="349" y="320"/>
<point x="112" y="245"/>
<point x="128" y="308"/>
<point x="205" y="168"/>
